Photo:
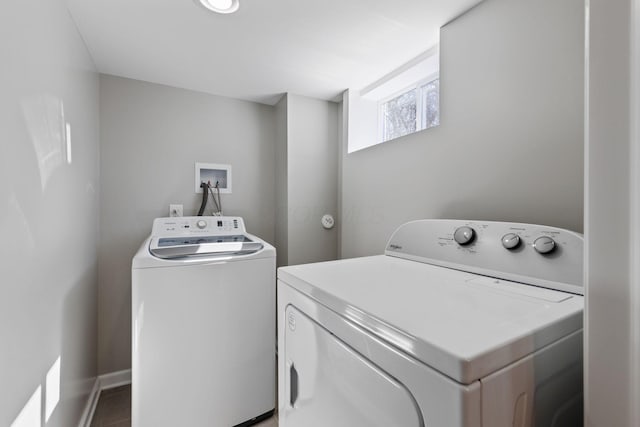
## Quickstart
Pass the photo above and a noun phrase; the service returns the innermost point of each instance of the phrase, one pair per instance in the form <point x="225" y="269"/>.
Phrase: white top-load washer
<point x="203" y="329"/>
<point x="459" y="324"/>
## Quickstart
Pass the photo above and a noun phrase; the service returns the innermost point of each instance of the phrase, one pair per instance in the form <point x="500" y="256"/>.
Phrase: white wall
<point x="312" y="178"/>
<point x="151" y="136"/>
<point x="48" y="216"/>
<point x="510" y="143"/>
<point x="610" y="314"/>
<point x="342" y="151"/>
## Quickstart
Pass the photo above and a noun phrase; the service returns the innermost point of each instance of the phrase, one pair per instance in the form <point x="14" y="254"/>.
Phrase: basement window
<point x="414" y="109"/>
<point x="403" y="102"/>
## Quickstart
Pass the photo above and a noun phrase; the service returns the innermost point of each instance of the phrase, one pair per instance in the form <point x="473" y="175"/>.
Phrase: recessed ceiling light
<point x="221" y="6"/>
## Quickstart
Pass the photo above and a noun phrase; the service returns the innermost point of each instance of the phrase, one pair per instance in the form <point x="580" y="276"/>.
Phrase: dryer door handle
<point x="293" y="385"/>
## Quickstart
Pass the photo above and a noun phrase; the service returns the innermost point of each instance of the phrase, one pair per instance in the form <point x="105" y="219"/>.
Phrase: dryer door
<point x="329" y="384"/>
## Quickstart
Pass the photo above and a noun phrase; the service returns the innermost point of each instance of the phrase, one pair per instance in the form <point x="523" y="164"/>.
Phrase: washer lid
<point x="198" y="246"/>
<point x="461" y="324"/>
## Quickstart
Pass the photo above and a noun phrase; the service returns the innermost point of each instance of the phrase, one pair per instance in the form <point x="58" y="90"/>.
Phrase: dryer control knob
<point x="510" y="241"/>
<point x="464" y="235"/>
<point x="544" y="245"/>
<point x="201" y="224"/>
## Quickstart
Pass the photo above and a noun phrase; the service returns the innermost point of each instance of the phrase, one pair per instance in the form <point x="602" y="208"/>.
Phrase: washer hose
<point x="205" y="197"/>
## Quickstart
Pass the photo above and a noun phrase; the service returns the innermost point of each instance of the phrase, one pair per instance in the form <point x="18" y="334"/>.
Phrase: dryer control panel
<point x="534" y="254"/>
<point x="198" y="226"/>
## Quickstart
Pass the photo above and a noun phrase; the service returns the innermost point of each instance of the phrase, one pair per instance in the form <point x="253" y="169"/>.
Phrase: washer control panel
<point x="198" y="225"/>
<point x="528" y="253"/>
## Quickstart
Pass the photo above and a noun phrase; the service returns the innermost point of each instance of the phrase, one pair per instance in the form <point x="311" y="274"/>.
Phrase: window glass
<point x="415" y="109"/>
<point x="431" y="104"/>
<point x="399" y="115"/>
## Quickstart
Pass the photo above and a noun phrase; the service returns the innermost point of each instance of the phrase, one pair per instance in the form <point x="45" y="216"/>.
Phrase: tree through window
<point x="415" y="109"/>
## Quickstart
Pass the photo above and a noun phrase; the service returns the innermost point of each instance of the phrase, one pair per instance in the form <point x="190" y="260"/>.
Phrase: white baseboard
<point x="103" y="382"/>
<point x="115" y="379"/>
<point x="92" y="402"/>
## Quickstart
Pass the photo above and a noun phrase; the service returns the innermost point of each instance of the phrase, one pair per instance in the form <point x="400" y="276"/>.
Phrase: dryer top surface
<point x="462" y="324"/>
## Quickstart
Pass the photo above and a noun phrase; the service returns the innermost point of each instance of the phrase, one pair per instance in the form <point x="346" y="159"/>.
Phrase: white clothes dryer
<point x="203" y="325"/>
<point x="458" y="324"/>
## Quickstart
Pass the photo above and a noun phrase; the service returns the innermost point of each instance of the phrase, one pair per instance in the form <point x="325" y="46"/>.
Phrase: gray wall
<point x="609" y="311"/>
<point x="48" y="215"/>
<point x="282" y="218"/>
<point x="510" y="143"/>
<point x="312" y="178"/>
<point x="311" y="173"/>
<point x="151" y="136"/>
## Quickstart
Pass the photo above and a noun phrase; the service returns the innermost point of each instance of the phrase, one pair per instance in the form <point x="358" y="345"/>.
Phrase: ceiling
<point x="316" y="48"/>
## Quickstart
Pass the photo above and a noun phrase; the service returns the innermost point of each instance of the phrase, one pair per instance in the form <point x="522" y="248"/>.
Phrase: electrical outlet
<point x="175" y="210"/>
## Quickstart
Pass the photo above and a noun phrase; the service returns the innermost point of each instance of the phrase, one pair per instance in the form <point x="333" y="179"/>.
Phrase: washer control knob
<point x="544" y="245"/>
<point x="464" y="235"/>
<point x="201" y="224"/>
<point x="510" y="241"/>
